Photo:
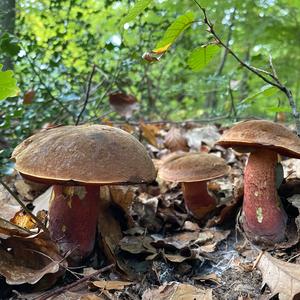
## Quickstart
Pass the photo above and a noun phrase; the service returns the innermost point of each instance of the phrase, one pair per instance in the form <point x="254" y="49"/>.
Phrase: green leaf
<point x="279" y="109"/>
<point x="266" y="91"/>
<point x="8" y="85"/>
<point x="202" y="56"/>
<point x="174" y="30"/>
<point x="138" y="8"/>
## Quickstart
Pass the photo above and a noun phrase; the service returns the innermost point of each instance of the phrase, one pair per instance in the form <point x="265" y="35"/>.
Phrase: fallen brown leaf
<point x="208" y="135"/>
<point x="29" y="259"/>
<point x="177" y="291"/>
<point x="149" y="132"/>
<point x="111" y="284"/>
<point x="8" y="205"/>
<point x="282" y="278"/>
<point x="24" y="220"/>
<point x="175" y="141"/>
<point x="108" y="226"/>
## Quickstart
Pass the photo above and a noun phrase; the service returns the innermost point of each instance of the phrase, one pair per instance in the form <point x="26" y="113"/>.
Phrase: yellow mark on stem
<point x="259" y="215"/>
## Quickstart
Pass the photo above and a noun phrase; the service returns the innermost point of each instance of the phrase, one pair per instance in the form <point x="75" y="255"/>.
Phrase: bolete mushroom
<point x="77" y="160"/>
<point x="193" y="170"/>
<point x="263" y="217"/>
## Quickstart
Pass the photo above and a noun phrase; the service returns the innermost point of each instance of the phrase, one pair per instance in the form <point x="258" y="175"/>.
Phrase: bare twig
<point x="87" y="94"/>
<point x="68" y="287"/>
<point x="268" y="77"/>
<point x="39" y="223"/>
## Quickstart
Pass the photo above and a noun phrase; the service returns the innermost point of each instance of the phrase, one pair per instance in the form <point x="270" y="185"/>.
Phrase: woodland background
<point x="54" y="46"/>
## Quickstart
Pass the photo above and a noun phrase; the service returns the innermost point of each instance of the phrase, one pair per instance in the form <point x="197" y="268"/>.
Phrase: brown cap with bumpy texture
<point x="87" y="154"/>
<point x="191" y="167"/>
<point x="262" y="134"/>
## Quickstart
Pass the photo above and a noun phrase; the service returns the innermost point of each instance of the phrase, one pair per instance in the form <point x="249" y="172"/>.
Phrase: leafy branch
<point x="268" y="77"/>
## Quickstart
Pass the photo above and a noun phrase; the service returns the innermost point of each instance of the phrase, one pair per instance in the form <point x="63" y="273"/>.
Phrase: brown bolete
<point x="193" y="170"/>
<point x="263" y="217"/>
<point x="77" y="160"/>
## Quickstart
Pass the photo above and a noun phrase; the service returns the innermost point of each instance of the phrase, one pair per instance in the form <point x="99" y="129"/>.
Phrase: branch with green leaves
<point x="269" y="77"/>
<point x="203" y="55"/>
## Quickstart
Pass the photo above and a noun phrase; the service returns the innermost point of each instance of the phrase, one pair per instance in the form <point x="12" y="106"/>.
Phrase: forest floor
<point x="153" y="248"/>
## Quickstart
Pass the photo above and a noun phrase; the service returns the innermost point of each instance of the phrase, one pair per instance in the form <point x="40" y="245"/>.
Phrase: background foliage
<point x="53" y="46"/>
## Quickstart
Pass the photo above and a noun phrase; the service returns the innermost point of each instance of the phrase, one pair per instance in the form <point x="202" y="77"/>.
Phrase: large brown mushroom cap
<point x="87" y="154"/>
<point x="192" y="167"/>
<point x="262" y="133"/>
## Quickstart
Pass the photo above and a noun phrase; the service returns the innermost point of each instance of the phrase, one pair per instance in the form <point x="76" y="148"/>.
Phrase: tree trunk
<point x="7" y="24"/>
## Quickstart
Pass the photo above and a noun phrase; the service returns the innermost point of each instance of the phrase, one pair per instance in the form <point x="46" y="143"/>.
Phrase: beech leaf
<point x="138" y="8"/>
<point x="173" y="32"/>
<point x="202" y="56"/>
<point x="282" y="278"/>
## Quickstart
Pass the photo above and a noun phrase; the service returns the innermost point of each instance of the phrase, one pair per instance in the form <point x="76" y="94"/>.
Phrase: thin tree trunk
<point x="7" y="24"/>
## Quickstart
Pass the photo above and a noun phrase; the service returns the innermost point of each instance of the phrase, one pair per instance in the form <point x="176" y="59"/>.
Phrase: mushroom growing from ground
<point x="193" y="170"/>
<point x="263" y="217"/>
<point x="76" y="160"/>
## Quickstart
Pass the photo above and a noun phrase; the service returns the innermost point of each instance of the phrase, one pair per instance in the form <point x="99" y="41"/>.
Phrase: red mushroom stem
<point x="73" y="215"/>
<point x="264" y="219"/>
<point x="197" y="200"/>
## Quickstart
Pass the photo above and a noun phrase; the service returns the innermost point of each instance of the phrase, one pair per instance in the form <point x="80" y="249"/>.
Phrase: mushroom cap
<point x="262" y="134"/>
<point x="86" y="154"/>
<point x="192" y="167"/>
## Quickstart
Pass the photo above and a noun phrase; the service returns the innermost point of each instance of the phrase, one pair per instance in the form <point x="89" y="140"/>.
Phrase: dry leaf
<point x="150" y="132"/>
<point x="28" y="97"/>
<point x="137" y="244"/>
<point x="175" y="141"/>
<point x="123" y="104"/>
<point x="8" y="205"/>
<point x="183" y="239"/>
<point x="281" y="277"/>
<point x="41" y="203"/>
<point x="177" y="291"/>
<point x="208" y="135"/>
<point x="29" y="259"/>
<point x="29" y="190"/>
<point x="8" y="229"/>
<point x="291" y="168"/>
<point x="108" y="226"/>
<point x="24" y="220"/>
<point x="111" y="284"/>
<point x="124" y="196"/>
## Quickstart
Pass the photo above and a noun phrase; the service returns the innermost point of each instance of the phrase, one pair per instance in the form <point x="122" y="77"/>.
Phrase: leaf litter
<point x="158" y="249"/>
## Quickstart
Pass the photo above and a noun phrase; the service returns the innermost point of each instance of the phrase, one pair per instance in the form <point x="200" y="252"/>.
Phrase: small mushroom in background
<point x="264" y="219"/>
<point x="193" y="170"/>
<point x="77" y="160"/>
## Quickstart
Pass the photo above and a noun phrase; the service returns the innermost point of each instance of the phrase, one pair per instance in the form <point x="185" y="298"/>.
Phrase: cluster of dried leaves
<point x="158" y="251"/>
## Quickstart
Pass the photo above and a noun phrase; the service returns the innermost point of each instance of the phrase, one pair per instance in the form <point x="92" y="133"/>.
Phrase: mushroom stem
<point x="197" y="200"/>
<point x="73" y="214"/>
<point x="264" y="219"/>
